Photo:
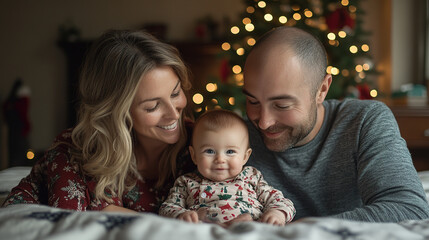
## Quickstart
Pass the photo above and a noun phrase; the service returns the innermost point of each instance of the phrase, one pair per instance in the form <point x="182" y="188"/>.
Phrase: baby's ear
<point x="247" y="155"/>
<point x="192" y="153"/>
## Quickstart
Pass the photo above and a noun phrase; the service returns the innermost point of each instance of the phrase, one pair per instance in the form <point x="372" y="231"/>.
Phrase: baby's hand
<point x="189" y="216"/>
<point x="273" y="216"/>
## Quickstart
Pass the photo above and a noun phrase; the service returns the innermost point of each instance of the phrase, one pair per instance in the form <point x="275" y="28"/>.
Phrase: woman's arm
<point x="114" y="208"/>
<point x="27" y="191"/>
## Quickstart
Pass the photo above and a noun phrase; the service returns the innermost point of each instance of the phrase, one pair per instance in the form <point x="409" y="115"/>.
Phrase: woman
<point x="130" y="140"/>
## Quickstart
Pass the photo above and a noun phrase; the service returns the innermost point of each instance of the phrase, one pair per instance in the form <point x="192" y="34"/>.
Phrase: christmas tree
<point x="337" y="23"/>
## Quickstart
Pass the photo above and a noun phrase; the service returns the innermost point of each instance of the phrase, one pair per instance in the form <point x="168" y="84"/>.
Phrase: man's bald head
<point x="306" y="47"/>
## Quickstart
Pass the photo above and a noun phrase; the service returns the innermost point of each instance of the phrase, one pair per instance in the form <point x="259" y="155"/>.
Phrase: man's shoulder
<point x="354" y="107"/>
<point x="351" y="115"/>
<point x="351" y="102"/>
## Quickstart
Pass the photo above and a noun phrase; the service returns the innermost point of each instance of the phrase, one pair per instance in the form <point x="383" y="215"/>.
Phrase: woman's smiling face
<point x="158" y="106"/>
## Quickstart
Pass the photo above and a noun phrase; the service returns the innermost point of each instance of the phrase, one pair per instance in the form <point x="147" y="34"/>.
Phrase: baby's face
<point x="221" y="154"/>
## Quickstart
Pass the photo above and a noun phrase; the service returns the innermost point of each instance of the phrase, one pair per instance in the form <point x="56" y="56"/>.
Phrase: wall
<point x="405" y="43"/>
<point x="378" y="22"/>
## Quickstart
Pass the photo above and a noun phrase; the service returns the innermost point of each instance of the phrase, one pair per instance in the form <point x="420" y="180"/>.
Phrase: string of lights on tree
<point x="337" y="23"/>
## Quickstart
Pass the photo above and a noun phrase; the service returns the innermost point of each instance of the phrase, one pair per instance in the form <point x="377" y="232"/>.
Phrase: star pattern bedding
<point x="42" y="222"/>
<point x="29" y="221"/>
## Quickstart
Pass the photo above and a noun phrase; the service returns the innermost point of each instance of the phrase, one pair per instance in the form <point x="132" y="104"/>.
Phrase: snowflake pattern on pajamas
<point x="56" y="180"/>
<point x="74" y="191"/>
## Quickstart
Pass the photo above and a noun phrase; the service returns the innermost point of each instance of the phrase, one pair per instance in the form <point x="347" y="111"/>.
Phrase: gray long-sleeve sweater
<point x="357" y="167"/>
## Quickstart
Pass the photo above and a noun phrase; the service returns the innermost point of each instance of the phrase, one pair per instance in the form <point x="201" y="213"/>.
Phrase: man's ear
<point x="192" y="153"/>
<point x="247" y="155"/>
<point x="324" y="88"/>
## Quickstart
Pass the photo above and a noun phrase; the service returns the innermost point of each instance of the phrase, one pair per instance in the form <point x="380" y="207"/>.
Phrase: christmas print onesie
<point x="248" y="192"/>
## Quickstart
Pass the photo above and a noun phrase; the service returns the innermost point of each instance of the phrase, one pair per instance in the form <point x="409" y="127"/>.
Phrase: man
<point x="343" y="159"/>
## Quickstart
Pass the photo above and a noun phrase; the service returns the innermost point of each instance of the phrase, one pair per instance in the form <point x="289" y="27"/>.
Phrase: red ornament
<point x="224" y="70"/>
<point x="339" y="19"/>
<point x="364" y="92"/>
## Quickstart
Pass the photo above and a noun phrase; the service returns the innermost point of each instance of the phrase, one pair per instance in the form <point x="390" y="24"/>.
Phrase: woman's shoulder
<point x="59" y="154"/>
<point x="65" y="135"/>
<point x="62" y="142"/>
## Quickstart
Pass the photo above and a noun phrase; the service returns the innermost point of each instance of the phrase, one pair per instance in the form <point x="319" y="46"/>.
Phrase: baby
<point x="223" y="189"/>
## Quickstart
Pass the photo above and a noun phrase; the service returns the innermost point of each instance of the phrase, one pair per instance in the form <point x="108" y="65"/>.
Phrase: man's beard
<point x="290" y="136"/>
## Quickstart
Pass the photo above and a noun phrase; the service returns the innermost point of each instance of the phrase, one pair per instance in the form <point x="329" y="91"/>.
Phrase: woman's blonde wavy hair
<point x="103" y="138"/>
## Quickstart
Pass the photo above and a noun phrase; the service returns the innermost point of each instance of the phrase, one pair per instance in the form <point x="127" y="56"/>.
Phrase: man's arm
<point x="388" y="182"/>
